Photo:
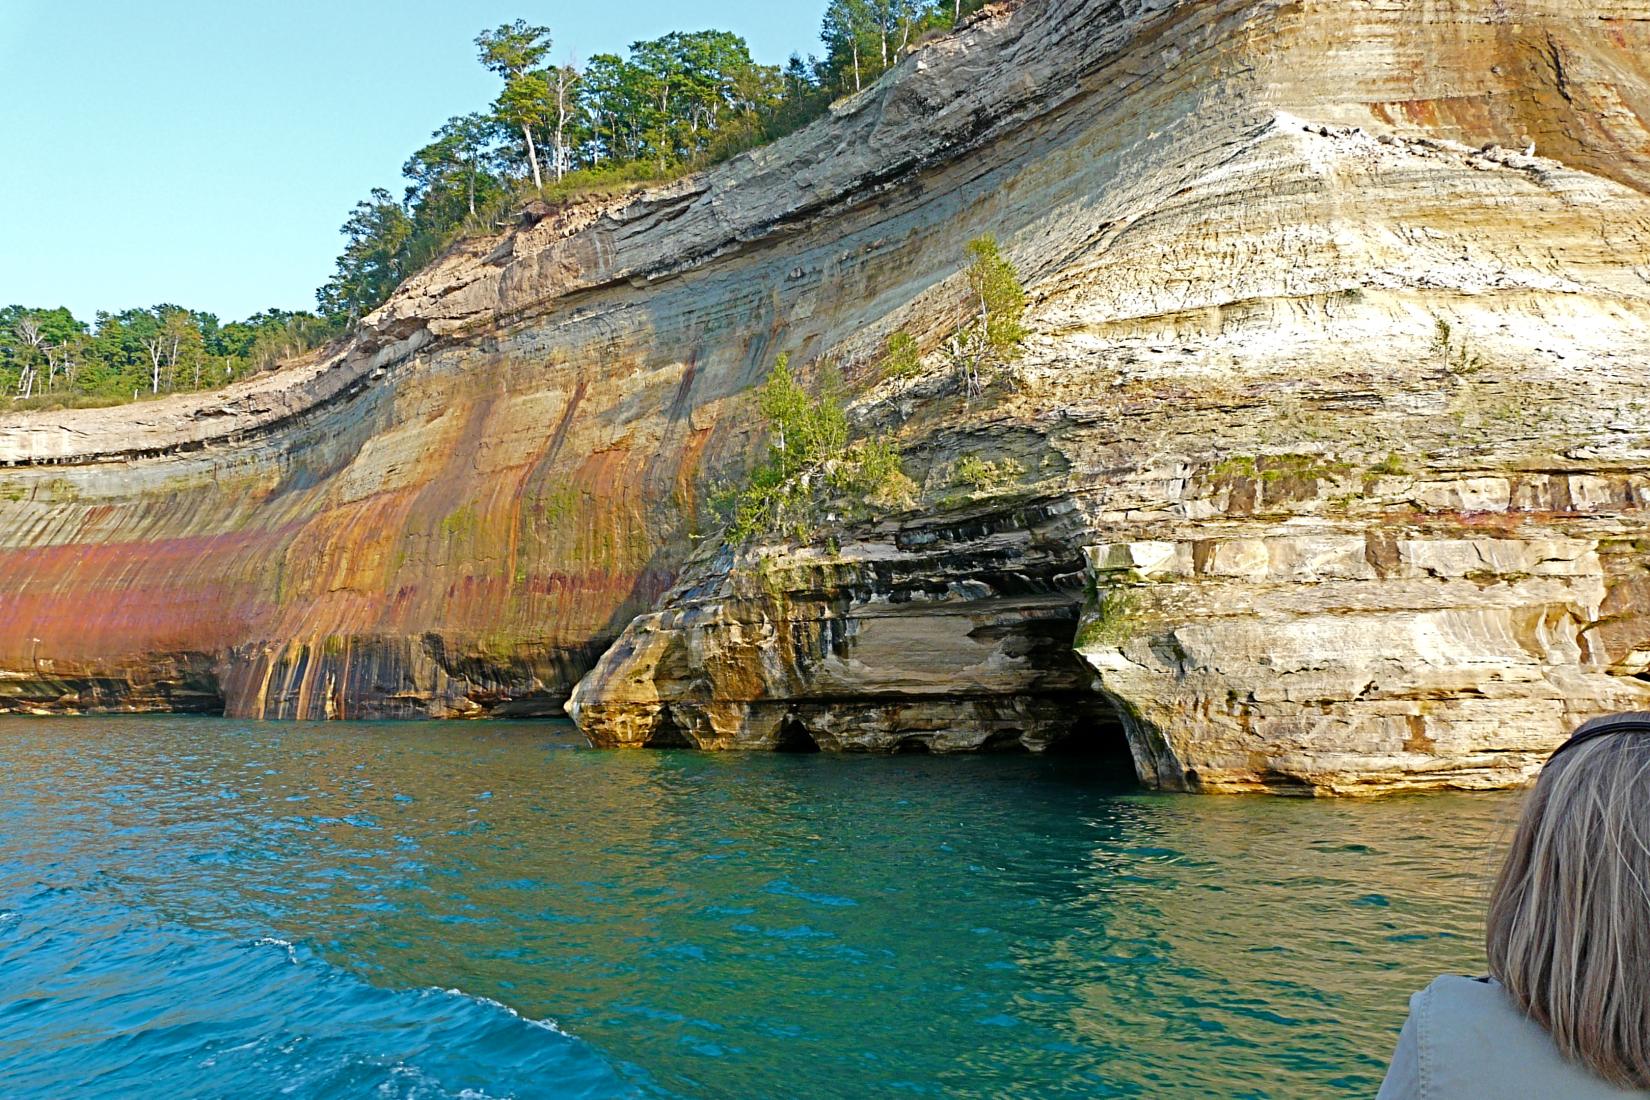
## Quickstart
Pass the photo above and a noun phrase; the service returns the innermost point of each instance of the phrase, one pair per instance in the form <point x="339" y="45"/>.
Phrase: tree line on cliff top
<point x="557" y="128"/>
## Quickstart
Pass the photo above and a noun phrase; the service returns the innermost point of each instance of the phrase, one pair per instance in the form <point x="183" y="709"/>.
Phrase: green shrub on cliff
<point x="982" y="475"/>
<point x="1457" y="357"/>
<point x="1000" y="299"/>
<point x="904" y="357"/>
<point x="997" y="305"/>
<point x="993" y="332"/>
<point x="804" y="432"/>
<point x="809" y="462"/>
<point x="871" y="474"/>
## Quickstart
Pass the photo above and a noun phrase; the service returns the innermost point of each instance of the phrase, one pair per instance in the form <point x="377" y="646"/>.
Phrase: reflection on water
<point x="717" y="925"/>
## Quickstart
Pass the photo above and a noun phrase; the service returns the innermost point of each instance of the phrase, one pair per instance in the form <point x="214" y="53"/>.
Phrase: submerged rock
<point x="1330" y="454"/>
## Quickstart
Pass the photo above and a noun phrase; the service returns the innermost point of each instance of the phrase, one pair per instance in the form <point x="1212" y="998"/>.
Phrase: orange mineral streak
<point x="76" y="602"/>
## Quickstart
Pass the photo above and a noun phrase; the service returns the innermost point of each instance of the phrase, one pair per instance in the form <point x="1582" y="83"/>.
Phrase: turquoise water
<point x="202" y="907"/>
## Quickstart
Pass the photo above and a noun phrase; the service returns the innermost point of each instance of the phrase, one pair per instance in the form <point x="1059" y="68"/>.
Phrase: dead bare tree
<point x="156" y="347"/>
<point x="566" y="77"/>
<point x="34" y="340"/>
<point x="25" y="381"/>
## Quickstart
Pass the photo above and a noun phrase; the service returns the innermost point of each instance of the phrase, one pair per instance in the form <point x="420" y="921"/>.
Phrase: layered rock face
<point x="1329" y="434"/>
<point x="946" y="635"/>
<point x="1323" y="468"/>
<point x="457" y="511"/>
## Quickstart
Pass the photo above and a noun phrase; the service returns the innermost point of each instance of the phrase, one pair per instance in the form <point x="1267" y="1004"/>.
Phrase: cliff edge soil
<point x="1325" y="467"/>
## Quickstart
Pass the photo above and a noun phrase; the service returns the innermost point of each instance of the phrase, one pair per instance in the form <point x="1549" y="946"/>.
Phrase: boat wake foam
<point x="109" y="1001"/>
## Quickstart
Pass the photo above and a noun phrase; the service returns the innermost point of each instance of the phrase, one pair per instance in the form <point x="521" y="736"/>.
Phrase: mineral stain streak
<point x="1332" y="450"/>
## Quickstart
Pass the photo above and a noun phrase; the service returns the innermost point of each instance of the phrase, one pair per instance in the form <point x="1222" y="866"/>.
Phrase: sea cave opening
<point x="1006" y="742"/>
<point x="668" y="734"/>
<point x="1095" y="741"/>
<point x="794" y="737"/>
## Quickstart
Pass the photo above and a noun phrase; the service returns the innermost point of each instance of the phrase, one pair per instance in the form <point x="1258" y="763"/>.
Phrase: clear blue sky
<point x="205" y="152"/>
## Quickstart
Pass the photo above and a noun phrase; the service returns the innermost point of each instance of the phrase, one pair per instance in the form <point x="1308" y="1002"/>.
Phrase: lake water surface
<point x="204" y="907"/>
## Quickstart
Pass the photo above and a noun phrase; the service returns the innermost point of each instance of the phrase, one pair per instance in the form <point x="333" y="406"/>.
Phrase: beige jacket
<point x="1465" y="1040"/>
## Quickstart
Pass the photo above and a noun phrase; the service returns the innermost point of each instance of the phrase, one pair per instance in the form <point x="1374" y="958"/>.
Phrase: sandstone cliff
<point x="1261" y="507"/>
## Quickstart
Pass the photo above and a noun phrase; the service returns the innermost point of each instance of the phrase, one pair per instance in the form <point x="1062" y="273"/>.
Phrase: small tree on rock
<point x="997" y="305"/>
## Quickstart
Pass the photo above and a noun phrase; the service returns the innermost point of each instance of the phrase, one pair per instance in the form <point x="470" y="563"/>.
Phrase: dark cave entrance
<point x="1091" y="747"/>
<point x="1005" y="742"/>
<point x="1096" y="734"/>
<point x="1063" y="716"/>
<point x="668" y="734"/>
<point x="794" y="737"/>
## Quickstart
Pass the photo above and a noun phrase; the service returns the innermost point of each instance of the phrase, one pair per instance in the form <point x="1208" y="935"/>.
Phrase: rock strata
<point x="1324" y="467"/>
<point x="1342" y="481"/>
<point x="951" y="636"/>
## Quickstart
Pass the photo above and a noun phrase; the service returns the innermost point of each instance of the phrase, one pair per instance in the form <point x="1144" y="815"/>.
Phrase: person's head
<point x="1569" y="920"/>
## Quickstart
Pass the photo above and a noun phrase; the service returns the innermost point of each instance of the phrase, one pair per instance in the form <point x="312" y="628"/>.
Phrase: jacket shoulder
<point x="1475" y="1042"/>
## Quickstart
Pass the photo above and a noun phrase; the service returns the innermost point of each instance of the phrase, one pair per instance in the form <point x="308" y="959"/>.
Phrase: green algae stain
<point x="1280" y="467"/>
<point x="555" y="505"/>
<point x="1109" y="621"/>
<point x="1392" y="465"/>
<point x="59" y="491"/>
<point x="461" y="521"/>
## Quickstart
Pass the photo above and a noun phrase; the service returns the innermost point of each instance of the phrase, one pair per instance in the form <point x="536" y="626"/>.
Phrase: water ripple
<point x="202" y="907"/>
<point x="102" y="1002"/>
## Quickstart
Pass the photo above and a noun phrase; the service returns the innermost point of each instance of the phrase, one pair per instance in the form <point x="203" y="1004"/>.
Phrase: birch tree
<point x="155" y="345"/>
<point x="514" y="51"/>
<point x="847" y="30"/>
<point x="34" y="348"/>
<point x="565" y="81"/>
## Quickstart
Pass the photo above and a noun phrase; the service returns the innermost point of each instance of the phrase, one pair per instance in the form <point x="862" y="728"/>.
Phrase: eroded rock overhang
<point x="947" y="636"/>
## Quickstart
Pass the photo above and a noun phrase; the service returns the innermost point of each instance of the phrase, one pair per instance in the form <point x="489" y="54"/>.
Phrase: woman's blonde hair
<point x="1569" y="920"/>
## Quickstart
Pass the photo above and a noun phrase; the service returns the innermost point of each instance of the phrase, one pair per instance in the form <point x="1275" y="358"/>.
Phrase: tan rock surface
<point x="1322" y="553"/>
